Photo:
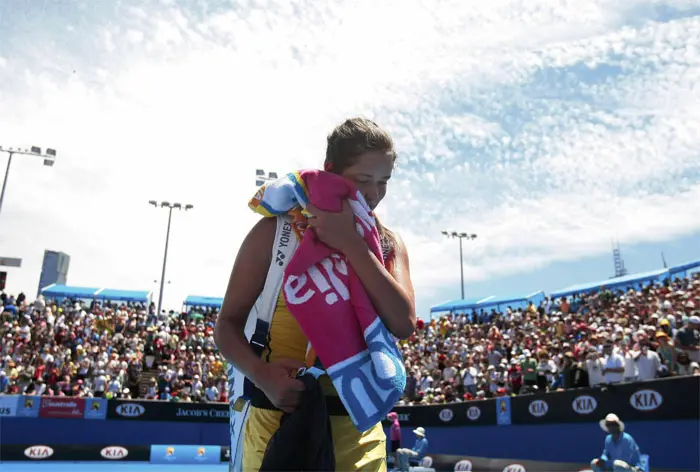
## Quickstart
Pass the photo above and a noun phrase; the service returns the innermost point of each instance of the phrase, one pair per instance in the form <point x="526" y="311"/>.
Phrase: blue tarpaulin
<point x="456" y="305"/>
<point x="512" y="301"/>
<point x="65" y="291"/>
<point x="681" y="270"/>
<point x="57" y="291"/>
<point x="137" y="296"/>
<point x="617" y="283"/>
<point x="210" y="302"/>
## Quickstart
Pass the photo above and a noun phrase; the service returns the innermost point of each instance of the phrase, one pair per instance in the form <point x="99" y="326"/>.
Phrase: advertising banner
<point x="638" y="401"/>
<point x="63" y="452"/>
<point x="185" y="454"/>
<point x="95" y="409"/>
<point x="485" y="464"/>
<point x="201" y="412"/>
<point x="167" y="411"/>
<point x="8" y="405"/>
<point x="474" y="413"/>
<point x="28" y="406"/>
<point x="62" y="407"/>
<point x="503" y="411"/>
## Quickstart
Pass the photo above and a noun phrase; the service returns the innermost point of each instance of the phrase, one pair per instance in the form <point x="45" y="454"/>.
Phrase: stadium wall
<point x="663" y="416"/>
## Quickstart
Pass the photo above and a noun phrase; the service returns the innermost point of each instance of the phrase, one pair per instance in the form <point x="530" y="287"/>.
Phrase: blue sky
<point x="547" y="128"/>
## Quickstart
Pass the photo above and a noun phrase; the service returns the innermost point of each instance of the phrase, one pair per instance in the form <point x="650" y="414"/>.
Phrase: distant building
<point x="54" y="270"/>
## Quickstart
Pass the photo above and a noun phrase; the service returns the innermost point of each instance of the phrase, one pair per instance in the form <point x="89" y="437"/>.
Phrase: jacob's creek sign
<point x="196" y="414"/>
<point x="62" y="407"/>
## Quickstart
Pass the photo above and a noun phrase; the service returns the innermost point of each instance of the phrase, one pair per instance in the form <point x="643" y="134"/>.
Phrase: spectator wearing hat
<point x="666" y="352"/>
<point x="529" y="368"/>
<point x="408" y="457"/>
<point x="688" y="337"/>
<point x="395" y="436"/>
<point x="620" y="452"/>
<point x="685" y="366"/>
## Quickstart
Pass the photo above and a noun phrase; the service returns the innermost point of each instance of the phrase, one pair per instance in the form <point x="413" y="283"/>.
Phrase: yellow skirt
<point x="353" y="450"/>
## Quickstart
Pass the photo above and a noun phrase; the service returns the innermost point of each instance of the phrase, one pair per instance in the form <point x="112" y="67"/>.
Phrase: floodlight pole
<point x="49" y="159"/>
<point x="170" y="207"/>
<point x="460" y="236"/>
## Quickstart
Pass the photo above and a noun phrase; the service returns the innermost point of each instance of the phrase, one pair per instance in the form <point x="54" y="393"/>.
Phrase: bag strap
<point x="264" y="310"/>
<point x="257" y="331"/>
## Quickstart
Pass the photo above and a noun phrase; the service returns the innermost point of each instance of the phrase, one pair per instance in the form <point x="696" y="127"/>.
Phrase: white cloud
<point x="544" y="127"/>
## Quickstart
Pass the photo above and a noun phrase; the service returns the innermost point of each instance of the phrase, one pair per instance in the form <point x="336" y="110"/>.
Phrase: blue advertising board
<point x="568" y="420"/>
<point x="8" y="405"/>
<point x="503" y="411"/>
<point x="95" y="409"/>
<point x="185" y="454"/>
<point x="28" y="406"/>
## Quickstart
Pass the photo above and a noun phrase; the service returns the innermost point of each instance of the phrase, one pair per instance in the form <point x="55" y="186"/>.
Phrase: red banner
<point x="62" y="407"/>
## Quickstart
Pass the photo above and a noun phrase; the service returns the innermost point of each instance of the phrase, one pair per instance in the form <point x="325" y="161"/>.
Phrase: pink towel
<point x="330" y="303"/>
<point x="319" y="281"/>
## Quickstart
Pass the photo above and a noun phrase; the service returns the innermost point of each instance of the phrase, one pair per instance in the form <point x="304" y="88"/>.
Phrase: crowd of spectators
<point x="588" y="340"/>
<point x="129" y="351"/>
<point x="108" y="350"/>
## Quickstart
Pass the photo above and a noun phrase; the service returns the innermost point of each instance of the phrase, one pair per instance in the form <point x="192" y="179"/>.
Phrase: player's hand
<point x="279" y="384"/>
<point x="337" y="230"/>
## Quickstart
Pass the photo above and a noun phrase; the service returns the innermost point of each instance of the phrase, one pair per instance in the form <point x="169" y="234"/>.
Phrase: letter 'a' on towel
<point x="330" y="303"/>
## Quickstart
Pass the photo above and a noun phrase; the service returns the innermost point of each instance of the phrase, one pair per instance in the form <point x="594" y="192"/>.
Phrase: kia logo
<point x="584" y="404"/>
<point x="646" y="400"/>
<point x="114" y="452"/>
<point x="446" y="415"/>
<point x="537" y="408"/>
<point x="473" y="413"/>
<point x="464" y="465"/>
<point x="130" y="410"/>
<point x="38" y="452"/>
<point x="516" y="467"/>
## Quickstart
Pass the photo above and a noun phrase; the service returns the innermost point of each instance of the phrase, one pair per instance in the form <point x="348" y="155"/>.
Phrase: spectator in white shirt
<point x="197" y="385"/>
<point x="594" y="367"/>
<point x="469" y="378"/>
<point x="613" y="364"/>
<point x="39" y="387"/>
<point x="211" y="393"/>
<point x="449" y="372"/>
<point x="630" y="374"/>
<point x="25" y="331"/>
<point x="648" y="363"/>
<point x="100" y="383"/>
<point x="114" y="386"/>
<point x="426" y="381"/>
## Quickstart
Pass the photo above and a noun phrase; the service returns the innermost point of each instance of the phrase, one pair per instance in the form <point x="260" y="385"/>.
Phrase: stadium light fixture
<point x="460" y="235"/>
<point x="49" y="159"/>
<point x="170" y="207"/>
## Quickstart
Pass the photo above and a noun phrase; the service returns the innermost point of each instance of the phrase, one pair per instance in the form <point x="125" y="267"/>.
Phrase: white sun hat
<point x="611" y="418"/>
